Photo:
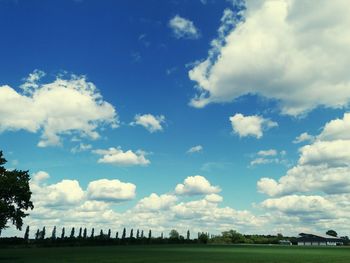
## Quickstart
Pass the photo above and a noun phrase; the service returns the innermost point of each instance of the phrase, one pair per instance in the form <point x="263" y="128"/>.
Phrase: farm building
<point x="306" y="239"/>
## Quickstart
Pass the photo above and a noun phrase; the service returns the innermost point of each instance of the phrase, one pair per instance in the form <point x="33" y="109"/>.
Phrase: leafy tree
<point x="15" y="195"/>
<point x="53" y="236"/>
<point x="63" y="233"/>
<point x="203" y="238"/>
<point x="174" y="234"/>
<point x="92" y="232"/>
<point x="188" y="235"/>
<point x="85" y="233"/>
<point x="137" y="234"/>
<point x="124" y="233"/>
<point x="72" y="233"/>
<point x="80" y="233"/>
<point x="131" y="233"/>
<point x="332" y="233"/>
<point x="26" y="234"/>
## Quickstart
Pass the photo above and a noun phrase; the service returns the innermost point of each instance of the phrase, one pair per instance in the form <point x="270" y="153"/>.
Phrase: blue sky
<point x="102" y="102"/>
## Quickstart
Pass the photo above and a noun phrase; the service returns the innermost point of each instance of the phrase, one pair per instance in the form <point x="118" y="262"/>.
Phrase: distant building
<point x="306" y="239"/>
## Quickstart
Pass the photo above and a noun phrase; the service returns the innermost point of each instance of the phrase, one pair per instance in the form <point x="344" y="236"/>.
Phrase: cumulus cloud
<point x="195" y="149"/>
<point x="150" y="122"/>
<point x="118" y="157"/>
<point x="62" y="107"/>
<point x="323" y="165"/>
<point x="271" y="152"/>
<point x="156" y="202"/>
<point x="110" y="190"/>
<point x="40" y="176"/>
<point x="196" y="185"/>
<point x="281" y="50"/>
<point x="304" y="137"/>
<point x="81" y="147"/>
<point x="183" y="28"/>
<point x="269" y="156"/>
<point x="250" y="125"/>
<point x="213" y="198"/>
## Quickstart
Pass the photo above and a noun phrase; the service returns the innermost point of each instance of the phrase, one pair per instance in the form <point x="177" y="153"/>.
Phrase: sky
<point x="202" y="115"/>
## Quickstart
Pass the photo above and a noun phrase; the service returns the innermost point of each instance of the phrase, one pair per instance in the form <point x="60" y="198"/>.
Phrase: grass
<point x="178" y="253"/>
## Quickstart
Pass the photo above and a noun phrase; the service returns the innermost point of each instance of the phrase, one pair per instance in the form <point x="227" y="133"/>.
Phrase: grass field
<point x="177" y="253"/>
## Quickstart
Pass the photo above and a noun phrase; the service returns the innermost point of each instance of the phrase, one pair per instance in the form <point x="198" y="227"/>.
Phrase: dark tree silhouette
<point x="174" y="234"/>
<point x="85" y="233"/>
<point x="161" y="236"/>
<point x="116" y="235"/>
<point x="137" y="234"/>
<point x="72" y="233"/>
<point x="332" y="233"/>
<point x="131" y="233"/>
<point x="15" y="195"/>
<point x="150" y="234"/>
<point x="63" y="233"/>
<point x="26" y="234"/>
<point x="80" y="233"/>
<point x="124" y="233"/>
<point x="188" y="235"/>
<point x="142" y="234"/>
<point x="109" y="233"/>
<point x="101" y="233"/>
<point x="37" y="234"/>
<point x="92" y="232"/>
<point x="43" y="233"/>
<point x="53" y="236"/>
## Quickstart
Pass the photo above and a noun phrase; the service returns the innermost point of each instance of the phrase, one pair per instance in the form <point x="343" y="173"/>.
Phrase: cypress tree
<point x="101" y="233"/>
<point x="162" y="236"/>
<point x="43" y="233"/>
<point x="85" y="233"/>
<point x="72" y="232"/>
<point x="37" y="234"/>
<point x="116" y="235"/>
<point x="92" y="232"/>
<point x="132" y="233"/>
<point x="109" y="233"/>
<point x="63" y="233"/>
<point x="137" y="234"/>
<point x="80" y="233"/>
<point x="124" y="233"/>
<point x="188" y="235"/>
<point x="26" y="234"/>
<point x="142" y="234"/>
<point x="150" y="234"/>
<point x="53" y="235"/>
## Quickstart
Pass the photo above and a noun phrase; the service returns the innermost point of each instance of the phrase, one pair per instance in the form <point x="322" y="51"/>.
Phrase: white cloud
<point x="214" y="198"/>
<point x="304" y="137"/>
<point x="250" y="125"/>
<point x="81" y="147"/>
<point x="261" y="160"/>
<point x="323" y="165"/>
<point x="150" y="122"/>
<point x="40" y="176"/>
<point x="64" y="106"/>
<point x="196" y="185"/>
<point x="110" y="190"/>
<point x="293" y="52"/>
<point x="183" y="28"/>
<point x="195" y="149"/>
<point x="271" y="152"/>
<point x="156" y="202"/>
<point x="117" y="157"/>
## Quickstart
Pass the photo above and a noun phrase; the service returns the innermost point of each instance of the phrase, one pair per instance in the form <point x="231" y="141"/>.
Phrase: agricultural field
<point x="178" y="253"/>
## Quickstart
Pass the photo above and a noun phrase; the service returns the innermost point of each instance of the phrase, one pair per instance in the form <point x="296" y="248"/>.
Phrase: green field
<point x="177" y="253"/>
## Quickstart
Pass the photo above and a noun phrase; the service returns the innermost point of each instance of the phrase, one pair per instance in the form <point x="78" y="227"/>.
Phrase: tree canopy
<point x="15" y="195"/>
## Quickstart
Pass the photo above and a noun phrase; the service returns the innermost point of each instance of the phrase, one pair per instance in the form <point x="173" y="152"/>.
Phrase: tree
<point x="63" y="233"/>
<point x="124" y="233"/>
<point x="109" y="233"/>
<point x="142" y="234"/>
<point x="26" y="234"/>
<point x="174" y="234"/>
<point x="137" y="234"/>
<point x="37" y="234"/>
<point x="92" y="232"/>
<point x="85" y="233"/>
<point x="203" y="238"/>
<point x="43" y="233"/>
<point x="332" y="233"/>
<point x="188" y="235"/>
<point x="101" y="233"/>
<point x="72" y="233"/>
<point x="116" y="235"/>
<point x="15" y="195"/>
<point x="53" y="236"/>
<point x="80" y="232"/>
<point x="150" y="234"/>
<point x="131" y="233"/>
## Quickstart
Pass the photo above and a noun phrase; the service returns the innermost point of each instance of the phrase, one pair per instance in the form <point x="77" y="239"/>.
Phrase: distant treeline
<point x="81" y="237"/>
